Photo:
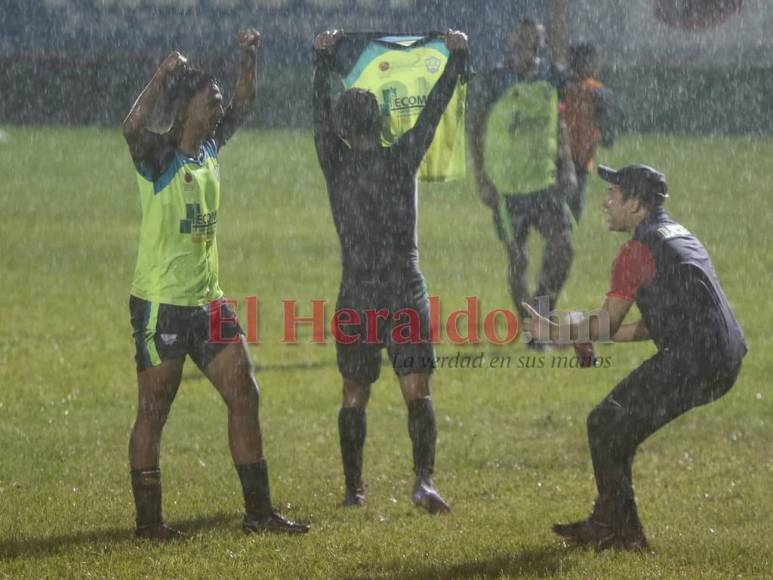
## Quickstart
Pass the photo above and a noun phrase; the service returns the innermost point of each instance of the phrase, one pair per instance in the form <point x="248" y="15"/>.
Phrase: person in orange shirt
<point x="588" y="110"/>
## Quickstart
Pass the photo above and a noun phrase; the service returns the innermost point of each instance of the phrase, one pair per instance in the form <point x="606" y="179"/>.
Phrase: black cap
<point x="640" y="181"/>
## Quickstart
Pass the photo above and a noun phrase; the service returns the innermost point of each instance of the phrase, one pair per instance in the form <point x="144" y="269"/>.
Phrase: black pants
<point x="543" y="211"/>
<point x="660" y="390"/>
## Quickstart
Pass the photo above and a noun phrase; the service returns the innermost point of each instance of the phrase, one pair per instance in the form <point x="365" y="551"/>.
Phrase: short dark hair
<point x="357" y="112"/>
<point x="185" y="83"/>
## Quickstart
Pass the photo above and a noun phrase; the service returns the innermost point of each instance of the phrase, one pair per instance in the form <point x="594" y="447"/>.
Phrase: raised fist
<point x="248" y="39"/>
<point x="172" y="61"/>
<point x="328" y="39"/>
<point x="456" y="40"/>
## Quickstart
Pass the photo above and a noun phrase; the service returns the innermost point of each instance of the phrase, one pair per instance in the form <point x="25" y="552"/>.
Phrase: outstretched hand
<point x="535" y="324"/>
<point x="248" y="39"/>
<point x="456" y="40"/>
<point x="328" y="39"/>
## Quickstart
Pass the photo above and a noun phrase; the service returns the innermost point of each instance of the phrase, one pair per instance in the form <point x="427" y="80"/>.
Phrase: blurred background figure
<point x="588" y="111"/>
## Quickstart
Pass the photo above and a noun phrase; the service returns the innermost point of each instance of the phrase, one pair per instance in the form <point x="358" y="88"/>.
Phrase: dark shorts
<point x="165" y="332"/>
<point x="543" y="210"/>
<point x="406" y="336"/>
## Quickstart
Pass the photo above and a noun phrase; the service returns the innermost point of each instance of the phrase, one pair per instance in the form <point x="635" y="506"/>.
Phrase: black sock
<point x="352" y="428"/>
<point x="423" y="432"/>
<point x="257" y="495"/>
<point x="146" y="486"/>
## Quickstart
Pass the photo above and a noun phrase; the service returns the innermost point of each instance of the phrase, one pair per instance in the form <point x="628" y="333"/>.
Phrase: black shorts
<point x="408" y="345"/>
<point x="543" y="210"/>
<point x="165" y="332"/>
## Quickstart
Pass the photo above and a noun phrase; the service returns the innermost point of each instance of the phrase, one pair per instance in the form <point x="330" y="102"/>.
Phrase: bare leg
<point x="157" y="387"/>
<point x="232" y="375"/>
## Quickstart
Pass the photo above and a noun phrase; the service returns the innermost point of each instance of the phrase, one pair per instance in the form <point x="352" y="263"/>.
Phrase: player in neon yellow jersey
<point x="523" y="164"/>
<point x="175" y="293"/>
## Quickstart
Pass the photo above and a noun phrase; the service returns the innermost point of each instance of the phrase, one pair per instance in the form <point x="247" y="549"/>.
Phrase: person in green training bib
<point x="523" y="164"/>
<point x="176" y="305"/>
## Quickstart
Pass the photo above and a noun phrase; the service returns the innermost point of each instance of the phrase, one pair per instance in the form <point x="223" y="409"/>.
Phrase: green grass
<point x="512" y="455"/>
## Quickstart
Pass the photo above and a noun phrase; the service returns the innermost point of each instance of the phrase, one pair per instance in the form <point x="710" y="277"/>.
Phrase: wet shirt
<point x="669" y="274"/>
<point x="374" y="194"/>
<point x="520" y="144"/>
<point x="587" y="107"/>
<point x="177" y="259"/>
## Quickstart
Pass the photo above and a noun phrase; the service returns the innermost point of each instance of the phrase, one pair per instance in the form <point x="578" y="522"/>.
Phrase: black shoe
<point x="585" y="532"/>
<point x="160" y="531"/>
<point x="274" y="523"/>
<point x="354" y="498"/>
<point x="630" y="539"/>
<point x="426" y="497"/>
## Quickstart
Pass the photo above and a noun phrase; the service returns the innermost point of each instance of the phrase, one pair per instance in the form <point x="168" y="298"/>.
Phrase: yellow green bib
<point x="521" y="143"/>
<point x="401" y="76"/>
<point x="177" y="260"/>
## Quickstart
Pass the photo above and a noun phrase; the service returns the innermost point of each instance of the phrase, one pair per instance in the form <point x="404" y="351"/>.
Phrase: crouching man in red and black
<point x="667" y="272"/>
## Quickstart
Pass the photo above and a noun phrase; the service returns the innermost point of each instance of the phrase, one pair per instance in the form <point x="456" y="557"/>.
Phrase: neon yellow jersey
<point x="401" y="75"/>
<point x="177" y="259"/>
<point x="521" y="143"/>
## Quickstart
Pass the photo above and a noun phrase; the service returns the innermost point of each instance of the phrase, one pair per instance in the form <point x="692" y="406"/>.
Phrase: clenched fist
<point x="248" y="39"/>
<point x="328" y="39"/>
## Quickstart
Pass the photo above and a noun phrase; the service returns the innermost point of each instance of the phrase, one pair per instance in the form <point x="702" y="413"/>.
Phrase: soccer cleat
<point x="584" y="532"/>
<point x="160" y="531"/>
<point x="354" y="498"/>
<point x="632" y="539"/>
<point x="273" y="523"/>
<point x="426" y="497"/>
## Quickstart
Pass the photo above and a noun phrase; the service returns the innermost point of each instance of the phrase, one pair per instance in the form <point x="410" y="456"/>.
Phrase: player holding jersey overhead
<point x="176" y="282"/>
<point x="374" y="200"/>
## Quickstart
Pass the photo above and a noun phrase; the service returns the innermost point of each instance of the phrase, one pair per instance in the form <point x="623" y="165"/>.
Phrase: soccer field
<point x="512" y="453"/>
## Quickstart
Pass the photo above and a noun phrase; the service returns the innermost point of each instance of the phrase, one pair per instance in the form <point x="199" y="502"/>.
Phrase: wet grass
<point x="512" y="455"/>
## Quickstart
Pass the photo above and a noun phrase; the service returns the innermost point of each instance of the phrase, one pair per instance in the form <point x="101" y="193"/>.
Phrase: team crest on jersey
<point x="383" y="66"/>
<point x="432" y="63"/>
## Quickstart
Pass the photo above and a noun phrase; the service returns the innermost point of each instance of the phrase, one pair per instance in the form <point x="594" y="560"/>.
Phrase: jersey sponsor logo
<point x="673" y="231"/>
<point x="200" y="225"/>
<point x="408" y="102"/>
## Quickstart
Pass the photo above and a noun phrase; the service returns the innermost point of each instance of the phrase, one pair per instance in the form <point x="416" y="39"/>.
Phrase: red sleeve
<point x="634" y="267"/>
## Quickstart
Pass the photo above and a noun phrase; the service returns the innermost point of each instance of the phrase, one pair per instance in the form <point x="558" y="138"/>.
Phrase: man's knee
<point x="355" y="393"/>
<point x="604" y="423"/>
<point x="152" y="412"/>
<point x="415" y="386"/>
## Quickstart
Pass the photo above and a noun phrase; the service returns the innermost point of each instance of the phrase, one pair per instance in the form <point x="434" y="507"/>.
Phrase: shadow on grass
<point x="21" y="548"/>
<point x="539" y="562"/>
